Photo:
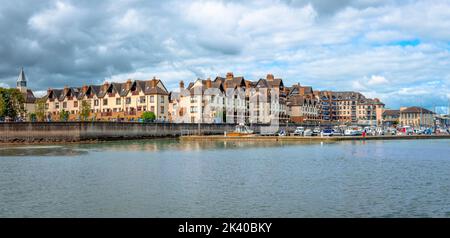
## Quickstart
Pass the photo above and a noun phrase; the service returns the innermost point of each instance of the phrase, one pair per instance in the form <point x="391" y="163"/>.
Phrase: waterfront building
<point x="416" y="117"/>
<point x="302" y="104"/>
<point x="30" y="99"/>
<point x="390" y="117"/>
<point x="267" y="100"/>
<point x="111" y="101"/>
<point x="348" y="107"/>
<point x="201" y="102"/>
<point x="235" y="98"/>
<point x="229" y="99"/>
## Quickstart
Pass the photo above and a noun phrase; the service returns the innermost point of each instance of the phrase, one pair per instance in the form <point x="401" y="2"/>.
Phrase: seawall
<point x="44" y="132"/>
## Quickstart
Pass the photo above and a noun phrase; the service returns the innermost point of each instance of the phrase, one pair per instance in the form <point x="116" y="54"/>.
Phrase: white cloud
<point x="4" y="85"/>
<point x="377" y="80"/>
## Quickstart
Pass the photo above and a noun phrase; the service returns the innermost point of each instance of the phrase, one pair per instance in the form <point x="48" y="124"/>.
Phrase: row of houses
<point x="229" y="99"/>
<point x="111" y="101"/>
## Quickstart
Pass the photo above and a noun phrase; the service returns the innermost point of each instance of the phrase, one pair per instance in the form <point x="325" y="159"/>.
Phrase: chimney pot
<point x="181" y="85"/>
<point x="208" y="83"/>
<point x="230" y="75"/>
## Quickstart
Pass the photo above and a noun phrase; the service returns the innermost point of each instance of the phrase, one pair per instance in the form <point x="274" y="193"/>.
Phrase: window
<point x="75" y="104"/>
<point x="152" y="108"/>
<point x="162" y="99"/>
<point x="162" y="109"/>
<point x="96" y="102"/>
<point x="152" y="99"/>
<point x="142" y="99"/>
<point x="57" y="105"/>
<point x="64" y="104"/>
<point x="118" y="101"/>
<point x="46" y="106"/>
<point x="128" y="101"/>
<point x="105" y="102"/>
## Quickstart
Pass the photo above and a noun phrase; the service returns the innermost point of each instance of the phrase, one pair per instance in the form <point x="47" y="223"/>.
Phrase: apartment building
<point x="201" y="102"/>
<point x="302" y="104"/>
<point x="267" y="100"/>
<point x="349" y="107"/>
<point x="111" y="101"/>
<point x="229" y="99"/>
<point x="416" y="117"/>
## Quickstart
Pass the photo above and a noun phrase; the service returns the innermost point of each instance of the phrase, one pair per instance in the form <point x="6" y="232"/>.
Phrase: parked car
<point x="328" y="132"/>
<point x="352" y="132"/>
<point x="282" y="132"/>
<point x="406" y="130"/>
<point x="337" y="133"/>
<point x="316" y="131"/>
<point x="299" y="131"/>
<point x="308" y="132"/>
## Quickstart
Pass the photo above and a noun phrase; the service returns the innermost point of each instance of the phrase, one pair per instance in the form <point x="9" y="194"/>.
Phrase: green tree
<point x="40" y="109"/>
<point x="85" y="110"/>
<point x="32" y="117"/>
<point x="64" y="115"/>
<point x="11" y="103"/>
<point x="148" y="116"/>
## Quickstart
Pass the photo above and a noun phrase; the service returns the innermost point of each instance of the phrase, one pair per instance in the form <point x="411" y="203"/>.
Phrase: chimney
<point x="128" y="84"/>
<point x="49" y="90"/>
<point x="153" y="82"/>
<point x="302" y="91"/>
<point x="66" y="90"/>
<point x="270" y="77"/>
<point x="208" y="83"/>
<point x="230" y="75"/>
<point x="84" y="88"/>
<point x="181" y="85"/>
<point x="403" y="108"/>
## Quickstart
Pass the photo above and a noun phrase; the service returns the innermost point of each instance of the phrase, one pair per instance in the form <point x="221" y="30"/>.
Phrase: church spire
<point x="22" y="81"/>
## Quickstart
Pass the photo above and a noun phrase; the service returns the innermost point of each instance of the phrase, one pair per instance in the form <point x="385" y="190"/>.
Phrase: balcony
<point x="130" y="113"/>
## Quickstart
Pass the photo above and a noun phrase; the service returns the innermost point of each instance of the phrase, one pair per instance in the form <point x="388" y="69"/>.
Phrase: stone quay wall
<point x="34" y="132"/>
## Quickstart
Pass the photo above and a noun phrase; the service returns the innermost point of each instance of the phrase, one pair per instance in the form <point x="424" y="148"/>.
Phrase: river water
<point x="169" y="178"/>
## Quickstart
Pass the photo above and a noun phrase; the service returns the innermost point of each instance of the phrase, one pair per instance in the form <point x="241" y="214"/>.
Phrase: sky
<point x="398" y="51"/>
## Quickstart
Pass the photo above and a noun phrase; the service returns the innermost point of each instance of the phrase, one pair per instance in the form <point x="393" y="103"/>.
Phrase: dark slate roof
<point x="29" y="97"/>
<point x="216" y="84"/>
<point x="391" y="113"/>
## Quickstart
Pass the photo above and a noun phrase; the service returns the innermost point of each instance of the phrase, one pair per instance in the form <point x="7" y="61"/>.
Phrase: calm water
<point x="168" y="178"/>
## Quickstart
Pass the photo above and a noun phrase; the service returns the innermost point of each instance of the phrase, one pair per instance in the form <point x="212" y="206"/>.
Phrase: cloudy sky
<point x="398" y="51"/>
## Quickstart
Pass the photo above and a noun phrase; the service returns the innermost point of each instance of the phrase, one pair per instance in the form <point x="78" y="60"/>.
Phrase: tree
<point x="85" y="110"/>
<point x="32" y="117"/>
<point x="40" y="110"/>
<point x="11" y="103"/>
<point x="64" y="115"/>
<point x="148" y="116"/>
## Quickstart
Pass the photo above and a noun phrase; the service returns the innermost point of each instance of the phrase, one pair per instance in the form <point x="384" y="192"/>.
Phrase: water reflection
<point x="177" y="145"/>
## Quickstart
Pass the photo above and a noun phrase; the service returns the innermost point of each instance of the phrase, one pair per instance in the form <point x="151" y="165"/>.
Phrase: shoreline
<point x="310" y="138"/>
<point x="255" y="138"/>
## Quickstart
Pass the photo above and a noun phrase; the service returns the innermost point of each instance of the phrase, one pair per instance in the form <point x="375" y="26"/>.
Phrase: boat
<point x="240" y="130"/>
